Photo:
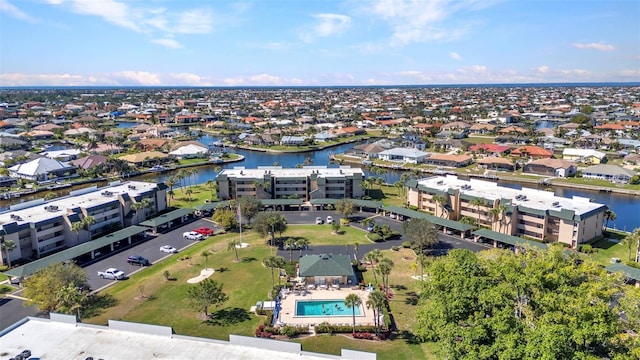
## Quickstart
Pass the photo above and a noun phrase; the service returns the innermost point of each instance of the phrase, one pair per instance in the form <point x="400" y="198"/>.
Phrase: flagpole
<point x="240" y="222"/>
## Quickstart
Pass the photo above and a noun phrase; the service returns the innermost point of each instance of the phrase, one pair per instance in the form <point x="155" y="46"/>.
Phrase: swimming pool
<point x="324" y="308"/>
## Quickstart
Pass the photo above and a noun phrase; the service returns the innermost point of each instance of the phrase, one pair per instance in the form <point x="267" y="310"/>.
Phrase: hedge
<point x="326" y="328"/>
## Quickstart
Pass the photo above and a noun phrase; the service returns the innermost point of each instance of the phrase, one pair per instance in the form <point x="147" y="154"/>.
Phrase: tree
<point x="609" y="215"/>
<point x="273" y="262"/>
<point x="7" y="245"/>
<point x="335" y="227"/>
<point x="385" y="231"/>
<point x="171" y="182"/>
<point x="233" y="245"/>
<point x="630" y="240"/>
<point x="211" y="184"/>
<point x="345" y="207"/>
<point x="353" y="300"/>
<point x="267" y="223"/>
<point x="421" y="233"/>
<point x="384" y="268"/>
<point x="373" y="257"/>
<point x="539" y="304"/>
<point x="42" y="288"/>
<point x="289" y="244"/>
<point x="249" y="206"/>
<point x="189" y="192"/>
<point x="70" y="300"/>
<point x="477" y="202"/>
<point x="356" y="245"/>
<point x="205" y="254"/>
<point x="226" y="218"/>
<point x="302" y="244"/>
<point x="376" y="302"/>
<point x="206" y="294"/>
<point x="440" y="201"/>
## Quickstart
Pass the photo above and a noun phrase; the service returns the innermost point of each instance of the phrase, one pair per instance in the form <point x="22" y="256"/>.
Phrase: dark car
<point x="137" y="260"/>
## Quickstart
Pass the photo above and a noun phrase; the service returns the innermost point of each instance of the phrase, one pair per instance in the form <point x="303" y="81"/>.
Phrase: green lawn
<point x="323" y="234"/>
<point x="479" y="139"/>
<point x="388" y="195"/>
<point x="200" y="193"/>
<point x="3" y="277"/>
<point x="605" y="249"/>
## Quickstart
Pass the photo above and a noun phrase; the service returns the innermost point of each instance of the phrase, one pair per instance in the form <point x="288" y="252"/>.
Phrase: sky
<point x="317" y="42"/>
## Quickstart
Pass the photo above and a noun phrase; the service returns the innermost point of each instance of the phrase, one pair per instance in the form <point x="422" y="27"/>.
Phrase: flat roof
<point x="73" y="252"/>
<point x="535" y="199"/>
<point x="63" y="338"/>
<point x="279" y="171"/>
<point x="34" y="211"/>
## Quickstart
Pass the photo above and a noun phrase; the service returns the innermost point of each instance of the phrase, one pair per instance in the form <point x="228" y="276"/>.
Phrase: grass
<point x="604" y="249"/>
<point x="388" y="195"/>
<point x="166" y="303"/>
<point x="596" y="182"/>
<point x="3" y="277"/>
<point x="200" y="193"/>
<point x="323" y="234"/>
<point x="479" y="139"/>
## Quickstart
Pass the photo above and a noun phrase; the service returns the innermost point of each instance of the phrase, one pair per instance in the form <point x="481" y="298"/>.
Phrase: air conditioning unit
<point x="131" y="187"/>
<point x="441" y="182"/>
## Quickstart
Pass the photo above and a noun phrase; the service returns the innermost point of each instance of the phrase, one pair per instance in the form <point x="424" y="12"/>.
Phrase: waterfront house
<point x="403" y="155"/>
<point x="188" y="151"/>
<point x="89" y="161"/>
<point x="550" y="167"/>
<point x="455" y="161"/>
<point x="41" y="169"/>
<point x="492" y="149"/>
<point x="292" y="140"/>
<point x="324" y="136"/>
<point x="533" y="152"/>
<point x="496" y="163"/>
<point x="144" y="158"/>
<point x="613" y="173"/>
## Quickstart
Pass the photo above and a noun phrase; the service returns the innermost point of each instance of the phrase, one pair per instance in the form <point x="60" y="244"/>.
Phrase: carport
<point x="282" y="204"/>
<point x="628" y="272"/>
<point x="511" y="240"/>
<point x="89" y="247"/>
<point x="362" y="204"/>
<point x="446" y="224"/>
<point x="201" y="210"/>
<point x="167" y="218"/>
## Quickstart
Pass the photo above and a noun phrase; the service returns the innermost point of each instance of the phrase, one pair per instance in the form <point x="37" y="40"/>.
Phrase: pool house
<point x="326" y="270"/>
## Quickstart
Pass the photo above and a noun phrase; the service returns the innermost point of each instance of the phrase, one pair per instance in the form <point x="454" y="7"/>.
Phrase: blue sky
<point x="314" y="42"/>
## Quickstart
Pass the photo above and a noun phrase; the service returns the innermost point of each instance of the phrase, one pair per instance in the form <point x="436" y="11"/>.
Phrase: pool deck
<point x="287" y="314"/>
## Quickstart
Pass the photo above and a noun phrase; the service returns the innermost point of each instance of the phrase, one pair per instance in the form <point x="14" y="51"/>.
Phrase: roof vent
<point x="131" y="187"/>
<point x="106" y="193"/>
<point x="441" y="182"/>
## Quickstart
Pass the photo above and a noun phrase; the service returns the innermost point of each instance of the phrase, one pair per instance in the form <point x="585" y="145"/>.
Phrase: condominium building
<point x="41" y="227"/>
<point x="531" y="213"/>
<point x="275" y="182"/>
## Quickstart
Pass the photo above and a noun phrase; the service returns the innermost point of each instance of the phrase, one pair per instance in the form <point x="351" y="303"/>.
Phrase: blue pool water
<point x="324" y="308"/>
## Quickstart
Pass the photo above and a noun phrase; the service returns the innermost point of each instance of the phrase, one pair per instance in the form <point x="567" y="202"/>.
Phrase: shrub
<point x="406" y="244"/>
<point x="4" y="268"/>
<point x="293" y="331"/>
<point x="395" y="248"/>
<point x="363" y="335"/>
<point x="374" y="237"/>
<point x="342" y="329"/>
<point x="633" y="264"/>
<point x="587" y="249"/>
<point x="184" y="257"/>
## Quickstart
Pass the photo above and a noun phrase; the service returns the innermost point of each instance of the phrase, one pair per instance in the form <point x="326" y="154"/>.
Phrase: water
<point x="126" y="125"/>
<point x="324" y="308"/>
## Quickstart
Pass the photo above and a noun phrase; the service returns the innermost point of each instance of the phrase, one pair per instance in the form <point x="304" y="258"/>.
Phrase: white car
<point x="318" y="220"/>
<point x="192" y="235"/>
<point x="329" y="219"/>
<point x="168" y="249"/>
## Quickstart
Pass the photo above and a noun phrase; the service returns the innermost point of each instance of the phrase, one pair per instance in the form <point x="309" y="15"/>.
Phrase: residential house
<point x="455" y="161"/>
<point x="511" y="139"/>
<point x="613" y="173"/>
<point x="368" y="151"/>
<point x="39" y="134"/>
<point x="480" y="129"/>
<point x="550" y="167"/>
<point x="587" y="156"/>
<point x="145" y="158"/>
<point x="191" y="150"/>
<point x="350" y="131"/>
<point x="42" y="169"/>
<point x="8" y="143"/>
<point x="533" y="152"/>
<point x="403" y="155"/>
<point x="496" y="163"/>
<point x="325" y="136"/>
<point x="491" y="149"/>
<point x="512" y="130"/>
<point x="62" y="155"/>
<point x="293" y="140"/>
<point x="152" y="144"/>
<point x="89" y="162"/>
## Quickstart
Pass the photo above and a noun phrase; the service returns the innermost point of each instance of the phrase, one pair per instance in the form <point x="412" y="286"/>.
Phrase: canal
<point x="627" y="208"/>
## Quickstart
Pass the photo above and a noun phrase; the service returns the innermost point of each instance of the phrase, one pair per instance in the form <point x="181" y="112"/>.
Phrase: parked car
<point x="168" y="249"/>
<point x="138" y="260"/>
<point x="192" y="235"/>
<point x="112" y="273"/>
<point x="318" y="220"/>
<point x="203" y="230"/>
<point x="370" y="227"/>
<point x="329" y="219"/>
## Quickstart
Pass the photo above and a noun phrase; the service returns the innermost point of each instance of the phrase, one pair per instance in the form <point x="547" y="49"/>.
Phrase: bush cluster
<point x="326" y="328"/>
<point x="363" y="335"/>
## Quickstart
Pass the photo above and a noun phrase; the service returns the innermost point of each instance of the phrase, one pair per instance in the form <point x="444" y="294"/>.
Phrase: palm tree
<point x="355" y="250"/>
<point x="439" y="200"/>
<point x="609" y="215"/>
<point x="366" y="185"/>
<point x="171" y="182"/>
<point x="87" y="222"/>
<point x="270" y="263"/>
<point x="205" y="254"/>
<point x="7" y="245"/>
<point x="290" y="244"/>
<point x="630" y="240"/>
<point x="373" y="256"/>
<point x="189" y="192"/>
<point x="280" y="263"/>
<point x="384" y="269"/>
<point x="353" y="300"/>
<point x="233" y="245"/>
<point x="211" y="184"/>
<point x="477" y="202"/>
<point x="301" y="244"/>
<point x="376" y="301"/>
<point x="495" y="215"/>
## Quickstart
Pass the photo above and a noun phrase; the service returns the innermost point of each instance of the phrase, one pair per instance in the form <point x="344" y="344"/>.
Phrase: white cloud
<point x="14" y="11"/>
<point x="595" y="46"/>
<point x="137" y="77"/>
<point x="167" y="42"/>
<point x="542" y="69"/>
<point x="188" y="79"/>
<point x="193" y="22"/>
<point x="326" y="25"/>
<point x="422" y="21"/>
<point x="115" y="12"/>
<point x="455" y="56"/>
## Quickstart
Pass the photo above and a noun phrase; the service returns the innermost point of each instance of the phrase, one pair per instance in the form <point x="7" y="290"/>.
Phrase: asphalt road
<point x="12" y="309"/>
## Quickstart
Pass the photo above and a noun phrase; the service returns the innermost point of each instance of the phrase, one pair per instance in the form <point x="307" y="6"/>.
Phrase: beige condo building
<point x="525" y="212"/>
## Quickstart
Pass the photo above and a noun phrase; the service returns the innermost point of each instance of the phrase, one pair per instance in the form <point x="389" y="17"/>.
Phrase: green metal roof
<point x="449" y="224"/>
<point x="165" y="218"/>
<point x="356" y="202"/>
<point x="211" y="205"/>
<point x="323" y="201"/>
<point x="628" y="271"/>
<point x="71" y="253"/>
<point x="529" y="210"/>
<point x="325" y="265"/>
<point x="268" y="202"/>
<point x="508" y="239"/>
